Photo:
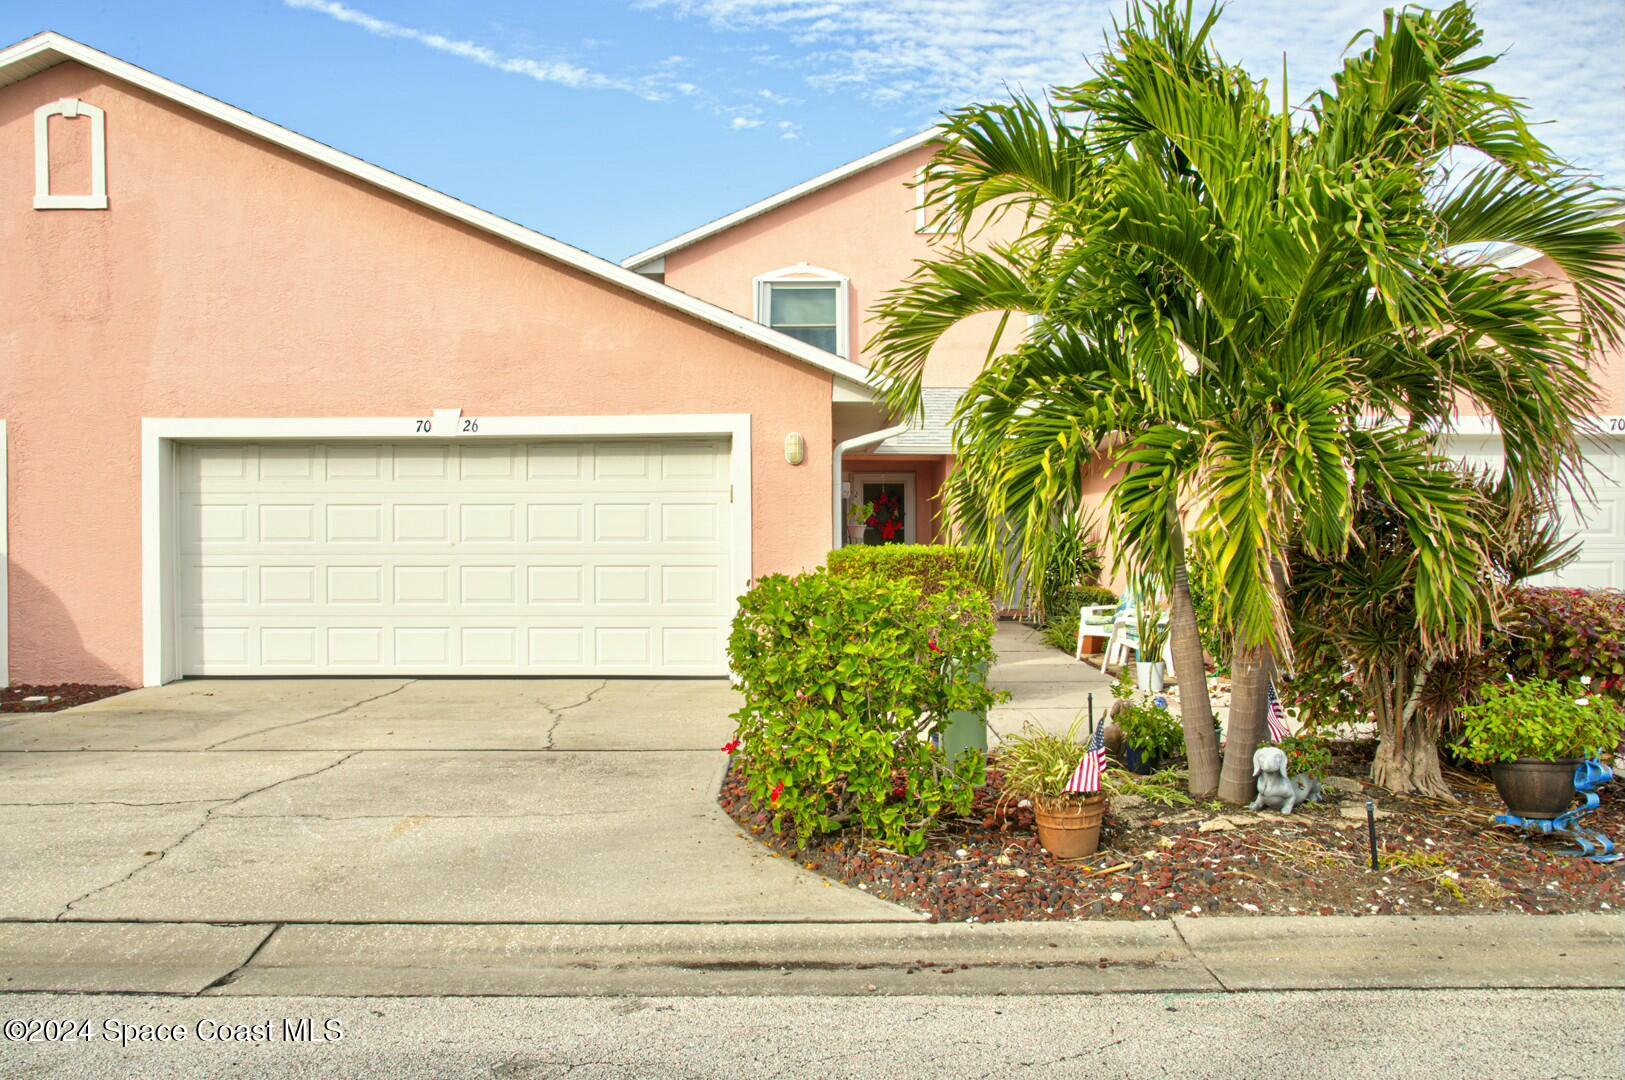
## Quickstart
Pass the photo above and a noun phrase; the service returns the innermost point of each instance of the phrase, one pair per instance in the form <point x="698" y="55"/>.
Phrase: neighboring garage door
<point x="1600" y="528"/>
<point x="466" y="557"/>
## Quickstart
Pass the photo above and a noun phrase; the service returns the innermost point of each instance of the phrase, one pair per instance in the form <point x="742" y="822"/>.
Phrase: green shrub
<point x="844" y="677"/>
<point x="1061" y="630"/>
<point x="1539" y="718"/>
<point x="1037" y="764"/>
<point x="1308" y="754"/>
<point x="933" y="567"/>
<point x="1074" y="562"/>
<point x="1563" y="634"/>
<point x="1154" y="731"/>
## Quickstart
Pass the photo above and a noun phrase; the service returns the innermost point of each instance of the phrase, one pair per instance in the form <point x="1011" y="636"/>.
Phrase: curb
<point x="1201" y="955"/>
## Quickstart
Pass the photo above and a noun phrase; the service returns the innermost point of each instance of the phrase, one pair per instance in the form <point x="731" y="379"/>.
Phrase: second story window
<point x="806" y="303"/>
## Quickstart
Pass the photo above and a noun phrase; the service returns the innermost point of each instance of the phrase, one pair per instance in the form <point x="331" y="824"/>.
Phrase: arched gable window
<point x="808" y="303"/>
<point x="72" y="109"/>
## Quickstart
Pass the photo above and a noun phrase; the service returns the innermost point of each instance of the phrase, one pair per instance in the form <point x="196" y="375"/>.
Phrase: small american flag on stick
<point x="1086" y="778"/>
<point x="1276" y="714"/>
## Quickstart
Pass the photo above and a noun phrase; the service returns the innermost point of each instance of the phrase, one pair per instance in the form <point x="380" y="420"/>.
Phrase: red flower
<point x="778" y="791"/>
<point x="932" y="645"/>
<point x="888" y="531"/>
<point x="730" y="746"/>
<point x="872" y="520"/>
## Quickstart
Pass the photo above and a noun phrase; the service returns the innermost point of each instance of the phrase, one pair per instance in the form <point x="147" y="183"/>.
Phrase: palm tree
<point x="1254" y="313"/>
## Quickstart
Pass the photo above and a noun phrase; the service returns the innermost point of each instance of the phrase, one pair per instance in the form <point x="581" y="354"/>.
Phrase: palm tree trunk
<point x="1250" y="672"/>
<point x="1195" y="707"/>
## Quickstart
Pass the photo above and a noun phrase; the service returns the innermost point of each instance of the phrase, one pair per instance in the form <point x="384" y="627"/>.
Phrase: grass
<point x="1166" y="787"/>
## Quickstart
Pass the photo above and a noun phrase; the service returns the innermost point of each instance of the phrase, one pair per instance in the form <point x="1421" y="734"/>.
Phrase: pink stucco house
<point x="266" y="408"/>
<point x="853" y="234"/>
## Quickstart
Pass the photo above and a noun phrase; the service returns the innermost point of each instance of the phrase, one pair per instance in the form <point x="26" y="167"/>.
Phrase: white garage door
<point x="1600" y="528"/>
<point x="471" y="557"/>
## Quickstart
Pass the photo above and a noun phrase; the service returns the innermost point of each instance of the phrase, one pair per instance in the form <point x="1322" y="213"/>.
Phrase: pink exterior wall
<point x="863" y="227"/>
<point x="1608" y="365"/>
<point x="230" y="278"/>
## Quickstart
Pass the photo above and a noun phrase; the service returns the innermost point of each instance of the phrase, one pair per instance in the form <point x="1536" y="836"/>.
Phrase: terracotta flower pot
<point x="1533" y="788"/>
<point x="1069" y="828"/>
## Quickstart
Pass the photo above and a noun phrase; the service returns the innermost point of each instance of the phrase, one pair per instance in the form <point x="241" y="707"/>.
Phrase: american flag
<point x="1086" y="778"/>
<point x="1276" y="714"/>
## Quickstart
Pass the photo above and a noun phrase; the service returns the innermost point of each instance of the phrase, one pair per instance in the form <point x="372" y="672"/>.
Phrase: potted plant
<point x="1037" y="765"/>
<point x="1534" y="734"/>
<point x="1148" y="663"/>
<point x="1151" y="734"/>
<point x="857" y="520"/>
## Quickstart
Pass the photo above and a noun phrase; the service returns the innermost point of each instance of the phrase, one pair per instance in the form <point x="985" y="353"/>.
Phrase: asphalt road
<point x="1414" y="1034"/>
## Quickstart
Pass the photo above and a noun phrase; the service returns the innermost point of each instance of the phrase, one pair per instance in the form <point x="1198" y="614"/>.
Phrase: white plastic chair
<point x="1102" y="620"/>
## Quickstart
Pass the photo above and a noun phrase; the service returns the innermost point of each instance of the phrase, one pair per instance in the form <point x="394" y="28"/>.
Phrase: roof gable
<point x="773" y="202"/>
<point x="43" y="51"/>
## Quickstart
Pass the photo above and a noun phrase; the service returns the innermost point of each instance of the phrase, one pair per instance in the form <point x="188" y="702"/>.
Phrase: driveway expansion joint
<point x="208" y="815"/>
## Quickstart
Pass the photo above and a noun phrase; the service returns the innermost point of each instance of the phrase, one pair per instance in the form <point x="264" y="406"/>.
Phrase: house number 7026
<point x="469" y="425"/>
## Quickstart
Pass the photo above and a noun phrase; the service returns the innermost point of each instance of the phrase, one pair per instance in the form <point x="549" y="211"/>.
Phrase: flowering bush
<point x="1307" y="754"/>
<point x="1566" y="633"/>
<point x="1539" y="718"/>
<point x="844" y="679"/>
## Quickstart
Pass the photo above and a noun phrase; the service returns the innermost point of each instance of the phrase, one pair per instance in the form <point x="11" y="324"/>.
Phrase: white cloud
<point x="789" y="130"/>
<point x="743" y="123"/>
<point x="916" y="57"/>
<point x="559" y="72"/>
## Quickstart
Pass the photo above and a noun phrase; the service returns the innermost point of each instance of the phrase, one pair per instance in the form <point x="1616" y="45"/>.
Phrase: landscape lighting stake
<point x="1371" y="830"/>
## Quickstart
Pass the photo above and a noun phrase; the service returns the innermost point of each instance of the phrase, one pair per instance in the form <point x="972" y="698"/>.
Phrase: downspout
<point x="857" y="442"/>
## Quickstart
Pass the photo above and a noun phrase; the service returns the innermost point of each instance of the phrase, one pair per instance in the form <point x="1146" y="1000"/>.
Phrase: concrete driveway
<point x="395" y="800"/>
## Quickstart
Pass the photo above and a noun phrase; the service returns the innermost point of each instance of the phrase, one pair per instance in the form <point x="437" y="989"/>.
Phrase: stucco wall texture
<point x="230" y="278"/>
<point x="862" y="227"/>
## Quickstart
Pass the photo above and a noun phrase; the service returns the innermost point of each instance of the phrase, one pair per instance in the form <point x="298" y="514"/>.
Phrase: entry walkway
<point x="1047" y="687"/>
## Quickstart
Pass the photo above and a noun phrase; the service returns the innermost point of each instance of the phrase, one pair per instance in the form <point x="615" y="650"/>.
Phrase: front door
<point x="892" y="498"/>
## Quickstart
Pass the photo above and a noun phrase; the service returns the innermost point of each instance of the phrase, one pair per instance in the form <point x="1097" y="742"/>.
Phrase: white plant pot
<point x="854" y="534"/>
<point x="1148" y="677"/>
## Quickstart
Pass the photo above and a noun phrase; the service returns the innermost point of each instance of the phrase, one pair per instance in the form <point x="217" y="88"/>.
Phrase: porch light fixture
<point x="795" y="448"/>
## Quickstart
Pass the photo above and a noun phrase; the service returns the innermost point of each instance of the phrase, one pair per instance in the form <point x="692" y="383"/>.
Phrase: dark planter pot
<point x="1137" y="762"/>
<point x="1533" y="788"/>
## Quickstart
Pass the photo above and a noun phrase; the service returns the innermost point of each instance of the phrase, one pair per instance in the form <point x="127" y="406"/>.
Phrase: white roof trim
<point x="824" y="180"/>
<point x="37" y="53"/>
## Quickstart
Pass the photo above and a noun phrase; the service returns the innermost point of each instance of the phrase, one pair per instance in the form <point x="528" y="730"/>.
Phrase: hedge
<point x="1564" y="634"/>
<point x="843" y="678"/>
<point x="933" y="567"/>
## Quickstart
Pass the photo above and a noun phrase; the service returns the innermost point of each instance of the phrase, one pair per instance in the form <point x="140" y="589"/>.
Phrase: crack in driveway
<point x="208" y="815"/>
<point x="312" y="719"/>
<point x="558" y="714"/>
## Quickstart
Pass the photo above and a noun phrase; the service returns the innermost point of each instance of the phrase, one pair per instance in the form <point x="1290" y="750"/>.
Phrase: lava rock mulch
<point x="56" y="696"/>
<point x="1156" y="861"/>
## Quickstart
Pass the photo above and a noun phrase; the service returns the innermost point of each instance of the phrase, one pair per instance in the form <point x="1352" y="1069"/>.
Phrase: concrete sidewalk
<point x="1047" y="687"/>
<point x="1199" y="955"/>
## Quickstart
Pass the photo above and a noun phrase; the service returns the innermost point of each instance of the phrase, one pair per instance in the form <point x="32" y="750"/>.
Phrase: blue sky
<point x="614" y="124"/>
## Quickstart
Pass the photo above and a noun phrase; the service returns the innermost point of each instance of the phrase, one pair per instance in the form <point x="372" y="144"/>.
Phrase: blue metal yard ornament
<point x="1591" y="844"/>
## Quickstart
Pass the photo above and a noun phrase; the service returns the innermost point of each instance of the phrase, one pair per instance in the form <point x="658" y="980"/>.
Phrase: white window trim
<point x="805" y="274"/>
<point x="911" y="505"/>
<point x="160" y="630"/>
<point x="71" y="108"/>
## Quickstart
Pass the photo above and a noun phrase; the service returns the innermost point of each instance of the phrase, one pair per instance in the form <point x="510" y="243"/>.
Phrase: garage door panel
<point x="1599" y="526"/>
<point x="556" y="557"/>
